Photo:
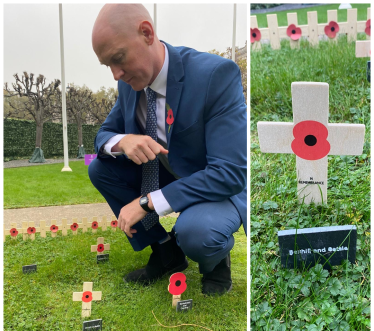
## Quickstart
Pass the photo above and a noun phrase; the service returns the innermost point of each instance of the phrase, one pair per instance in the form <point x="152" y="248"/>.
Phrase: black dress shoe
<point x="166" y="259"/>
<point x="218" y="281"/>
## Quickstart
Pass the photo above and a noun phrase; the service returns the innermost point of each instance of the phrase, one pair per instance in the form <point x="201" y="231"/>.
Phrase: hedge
<point x="20" y="135"/>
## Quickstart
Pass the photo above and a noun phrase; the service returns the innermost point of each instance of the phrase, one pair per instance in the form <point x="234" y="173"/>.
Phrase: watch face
<point x="143" y="200"/>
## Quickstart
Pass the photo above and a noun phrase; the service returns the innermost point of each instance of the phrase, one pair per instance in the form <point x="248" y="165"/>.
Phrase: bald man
<point x="174" y="141"/>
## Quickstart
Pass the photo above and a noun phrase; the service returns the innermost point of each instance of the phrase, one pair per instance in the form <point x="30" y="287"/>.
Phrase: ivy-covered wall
<point x="19" y="139"/>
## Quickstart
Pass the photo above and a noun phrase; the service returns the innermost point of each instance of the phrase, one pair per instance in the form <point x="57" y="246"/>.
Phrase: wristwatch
<point x="144" y="203"/>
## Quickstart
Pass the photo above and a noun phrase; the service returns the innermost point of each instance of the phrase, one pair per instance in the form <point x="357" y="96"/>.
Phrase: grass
<point x="314" y="299"/>
<point x="321" y="13"/>
<point x="43" y="300"/>
<point x="46" y="185"/>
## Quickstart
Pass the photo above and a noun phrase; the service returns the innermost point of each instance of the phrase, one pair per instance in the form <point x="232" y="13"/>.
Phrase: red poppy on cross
<point x="31" y="230"/>
<point x="255" y="35"/>
<point x="331" y="29"/>
<point x="74" y="226"/>
<point x="293" y="32"/>
<point x="100" y="247"/>
<point x="87" y="296"/>
<point x="177" y="285"/>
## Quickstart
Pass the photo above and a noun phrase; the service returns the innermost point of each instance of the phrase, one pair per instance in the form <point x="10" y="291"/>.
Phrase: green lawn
<point x="46" y="185"/>
<point x="43" y="300"/>
<point x="313" y="299"/>
<point x="321" y="13"/>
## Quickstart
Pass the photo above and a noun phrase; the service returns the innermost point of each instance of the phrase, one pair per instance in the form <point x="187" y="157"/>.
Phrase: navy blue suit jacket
<point x="207" y="142"/>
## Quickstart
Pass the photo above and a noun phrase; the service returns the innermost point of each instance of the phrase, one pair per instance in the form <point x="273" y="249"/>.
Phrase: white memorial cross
<point x="311" y="138"/>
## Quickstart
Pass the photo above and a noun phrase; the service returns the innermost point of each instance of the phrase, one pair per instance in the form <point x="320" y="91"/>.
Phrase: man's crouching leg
<point x="166" y="258"/>
<point x="205" y="233"/>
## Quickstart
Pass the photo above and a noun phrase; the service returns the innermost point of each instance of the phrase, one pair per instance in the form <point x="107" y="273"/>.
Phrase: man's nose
<point x="117" y="72"/>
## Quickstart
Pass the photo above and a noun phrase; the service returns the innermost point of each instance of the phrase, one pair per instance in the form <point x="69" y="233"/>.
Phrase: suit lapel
<point x="174" y="87"/>
<point x="131" y="124"/>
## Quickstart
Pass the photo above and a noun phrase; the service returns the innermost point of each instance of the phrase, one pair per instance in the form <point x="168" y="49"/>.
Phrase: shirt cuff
<point x="162" y="207"/>
<point x="110" y="143"/>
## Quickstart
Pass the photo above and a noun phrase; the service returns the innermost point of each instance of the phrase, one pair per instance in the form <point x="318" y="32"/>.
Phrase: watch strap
<point x="145" y="205"/>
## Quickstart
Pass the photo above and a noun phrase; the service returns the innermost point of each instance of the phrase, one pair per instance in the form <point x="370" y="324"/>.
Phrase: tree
<point x="79" y="102"/>
<point x="41" y="104"/>
<point x="105" y="101"/>
<point x="14" y="107"/>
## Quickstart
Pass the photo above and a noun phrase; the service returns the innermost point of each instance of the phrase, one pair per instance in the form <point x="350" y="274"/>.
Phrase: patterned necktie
<point x="150" y="169"/>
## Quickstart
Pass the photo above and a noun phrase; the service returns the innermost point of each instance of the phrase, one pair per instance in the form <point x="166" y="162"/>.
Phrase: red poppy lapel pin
<point x="170" y="117"/>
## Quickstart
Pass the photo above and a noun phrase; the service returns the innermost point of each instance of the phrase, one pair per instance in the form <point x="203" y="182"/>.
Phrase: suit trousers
<point x="204" y="231"/>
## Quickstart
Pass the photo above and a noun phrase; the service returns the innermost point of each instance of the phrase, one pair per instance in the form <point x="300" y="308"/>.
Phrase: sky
<point x="31" y="37"/>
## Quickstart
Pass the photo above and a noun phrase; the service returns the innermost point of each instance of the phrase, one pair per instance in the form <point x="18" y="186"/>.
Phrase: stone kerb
<point x="312" y="31"/>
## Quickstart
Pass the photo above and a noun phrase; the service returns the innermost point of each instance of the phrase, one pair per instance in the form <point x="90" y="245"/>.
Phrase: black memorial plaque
<point x="328" y="246"/>
<point x="93" y="325"/>
<point x="184" y="305"/>
<point x="102" y="258"/>
<point x="26" y="269"/>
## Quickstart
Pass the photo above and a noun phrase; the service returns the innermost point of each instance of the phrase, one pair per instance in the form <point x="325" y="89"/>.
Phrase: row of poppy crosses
<point x="312" y="30"/>
<point x="28" y="229"/>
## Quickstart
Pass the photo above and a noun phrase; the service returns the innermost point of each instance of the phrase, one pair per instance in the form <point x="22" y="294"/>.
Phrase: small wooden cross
<point x="28" y="230"/>
<point x="114" y="218"/>
<point x="311" y="138"/>
<point x="177" y="285"/>
<point x="86" y="297"/>
<point x="103" y="224"/>
<point x="94" y="222"/>
<point x="75" y="220"/>
<point x="64" y="227"/>
<point x="43" y="229"/>
<point x="55" y="227"/>
<point x="13" y="232"/>
<point x="100" y="248"/>
<point x="84" y="224"/>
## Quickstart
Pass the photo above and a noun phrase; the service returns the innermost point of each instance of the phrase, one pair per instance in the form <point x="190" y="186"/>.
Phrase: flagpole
<point x="64" y="121"/>
<point x="155" y="17"/>
<point x="233" y="35"/>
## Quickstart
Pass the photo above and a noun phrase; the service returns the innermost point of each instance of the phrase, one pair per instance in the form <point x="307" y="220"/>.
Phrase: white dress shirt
<point x="162" y="207"/>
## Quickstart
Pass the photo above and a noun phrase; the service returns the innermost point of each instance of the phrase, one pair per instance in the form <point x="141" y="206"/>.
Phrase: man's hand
<point x="131" y="214"/>
<point x="138" y="148"/>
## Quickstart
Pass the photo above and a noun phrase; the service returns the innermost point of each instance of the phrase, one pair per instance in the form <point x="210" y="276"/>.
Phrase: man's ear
<point x="146" y="29"/>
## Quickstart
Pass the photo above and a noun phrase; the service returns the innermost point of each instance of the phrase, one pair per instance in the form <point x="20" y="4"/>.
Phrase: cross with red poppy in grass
<point x="311" y="138"/>
<point x="100" y="247"/>
<point x="86" y="297"/>
<point x="177" y="285"/>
